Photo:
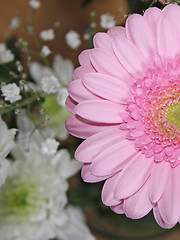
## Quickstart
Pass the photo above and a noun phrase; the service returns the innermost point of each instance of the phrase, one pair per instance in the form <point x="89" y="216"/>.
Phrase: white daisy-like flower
<point x="11" y="92"/>
<point x="73" y="39"/>
<point x="34" y="4"/>
<point x="50" y="84"/>
<point x="76" y="229"/>
<point x="49" y="146"/>
<point x="6" y="144"/>
<point x="33" y="198"/>
<point x="107" y="21"/>
<point x="63" y="69"/>
<point x="61" y="96"/>
<point x="45" y="51"/>
<point x="47" y="35"/>
<point x="15" y="23"/>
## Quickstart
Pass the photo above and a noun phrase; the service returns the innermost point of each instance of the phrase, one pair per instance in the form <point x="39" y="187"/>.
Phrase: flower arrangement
<point x="123" y="100"/>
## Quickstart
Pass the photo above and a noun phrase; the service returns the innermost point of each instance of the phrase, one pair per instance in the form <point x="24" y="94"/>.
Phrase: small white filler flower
<point x="47" y="35"/>
<point x="49" y="147"/>
<point x="11" y="92"/>
<point x="34" y="4"/>
<point x="45" y="51"/>
<point x="15" y="23"/>
<point x="107" y="21"/>
<point x="73" y="39"/>
<point x="50" y="84"/>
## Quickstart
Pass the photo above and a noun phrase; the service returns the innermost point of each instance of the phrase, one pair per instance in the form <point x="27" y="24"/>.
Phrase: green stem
<point x="153" y="2"/>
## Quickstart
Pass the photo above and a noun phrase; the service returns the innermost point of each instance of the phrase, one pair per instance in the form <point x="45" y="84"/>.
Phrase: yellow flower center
<point x="173" y="114"/>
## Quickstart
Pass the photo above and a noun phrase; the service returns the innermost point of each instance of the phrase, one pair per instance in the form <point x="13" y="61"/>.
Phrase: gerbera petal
<point x="139" y="204"/>
<point x="106" y="62"/>
<point x="94" y="145"/>
<point x="83" y="128"/>
<point x="133" y="176"/>
<point x="87" y="176"/>
<point x="159" y="219"/>
<point x="100" y="111"/>
<point x="80" y="71"/>
<point x="168" y="37"/>
<point x="114" y="158"/>
<point x="70" y="104"/>
<point x="142" y="36"/>
<point x="118" y="208"/>
<point x="107" y="194"/>
<point x="152" y="16"/>
<point x="107" y="87"/>
<point x="169" y="206"/>
<point x="78" y="92"/>
<point x="159" y="179"/>
<point x="102" y="40"/>
<point x="84" y="58"/>
<point x="117" y="31"/>
<point x="129" y="56"/>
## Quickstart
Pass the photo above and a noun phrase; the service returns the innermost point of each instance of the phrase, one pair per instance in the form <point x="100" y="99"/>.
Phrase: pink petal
<point x="129" y="56"/>
<point x="87" y="176"/>
<point x="83" y="128"/>
<point x="159" y="178"/>
<point x="141" y="34"/>
<point x="152" y="16"/>
<point x="117" y="31"/>
<point x="84" y="58"/>
<point x="169" y="206"/>
<point x="159" y="156"/>
<point x="70" y="104"/>
<point x="106" y="62"/>
<point x="114" y="158"/>
<point x="102" y="40"/>
<point x="80" y="71"/>
<point x="133" y="176"/>
<point x="139" y="204"/>
<point x="79" y="93"/>
<point x="168" y="35"/>
<point x="101" y="111"/>
<point x="159" y="219"/>
<point x="118" y="208"/>
<point x="107" y="87"/>
<point x="97" y="143"/>
<point x="107" y="194"/>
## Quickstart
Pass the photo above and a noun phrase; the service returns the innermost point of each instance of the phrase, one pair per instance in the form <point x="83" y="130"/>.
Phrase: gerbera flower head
<point x="125" y="101"/>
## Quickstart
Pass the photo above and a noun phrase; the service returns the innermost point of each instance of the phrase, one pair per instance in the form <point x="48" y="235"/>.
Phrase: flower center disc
<point x="173" y="114"/>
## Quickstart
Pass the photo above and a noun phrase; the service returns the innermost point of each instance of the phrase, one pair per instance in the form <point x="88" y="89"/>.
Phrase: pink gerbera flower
<point x="125" y="101"/>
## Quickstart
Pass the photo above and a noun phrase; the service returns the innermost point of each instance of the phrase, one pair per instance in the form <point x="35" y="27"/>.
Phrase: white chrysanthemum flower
<point x="107" y="21"/>
<point x="47" y="35"/>
<point x="33" y="197"/>
<point x="61" y="96"/>
<point x="6" y="56"/>
<point x="63" y="69"/>
<point x="45" y="51"/>
<point x="15" y="23"/>
<point x="34" y="4"/>
<point x="76" y="229"/>
<point x="11" y="92"/>
<point x="49" y="147"/>
<point x="50" y="84"/>
<point x="73" y="39"/>
<point x="6" y="144"/>
<point x="32" y="200"/>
